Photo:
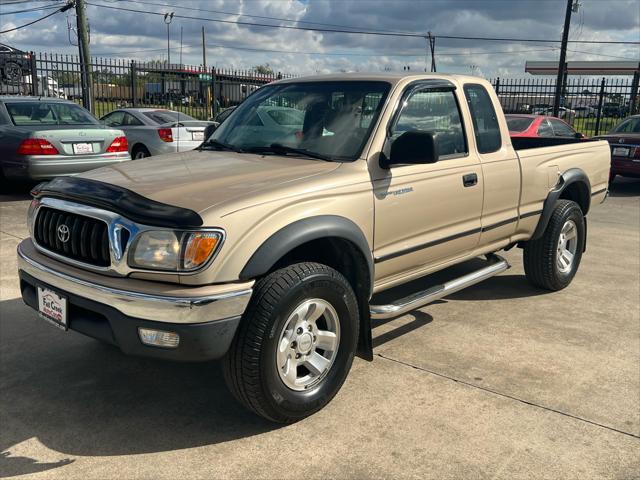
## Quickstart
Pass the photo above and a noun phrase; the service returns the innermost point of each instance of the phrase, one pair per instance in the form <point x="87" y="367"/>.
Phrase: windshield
<point x="27" y="113"/>
<point x="632" y="125"/>
<point x="518" y="124"/>
<point x="167" y="116"/>
<point x="329" y="119"/>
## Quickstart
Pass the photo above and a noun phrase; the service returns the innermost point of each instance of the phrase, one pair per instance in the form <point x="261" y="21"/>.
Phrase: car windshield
<point x="518" y="124"/>
<point x="39" y="113"/>
<point x="631" y="125"/>
<point x="331" y="120"/>
<point x="167" y="116"/>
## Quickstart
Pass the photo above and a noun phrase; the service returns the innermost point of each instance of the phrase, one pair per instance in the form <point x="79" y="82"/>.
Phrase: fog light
<point x="158" y="338"/>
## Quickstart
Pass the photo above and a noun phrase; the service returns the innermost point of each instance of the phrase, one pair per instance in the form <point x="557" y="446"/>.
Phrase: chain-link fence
<point x="117" y="83"/>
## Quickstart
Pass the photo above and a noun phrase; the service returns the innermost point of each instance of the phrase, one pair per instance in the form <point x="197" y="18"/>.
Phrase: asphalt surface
<point x="499" y="381"/>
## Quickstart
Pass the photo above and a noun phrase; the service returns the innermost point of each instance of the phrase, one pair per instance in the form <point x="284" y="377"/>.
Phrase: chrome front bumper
<point x="183" y="309"/>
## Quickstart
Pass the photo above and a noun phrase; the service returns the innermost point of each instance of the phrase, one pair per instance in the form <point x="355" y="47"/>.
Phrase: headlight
<point x="174" y="251"/>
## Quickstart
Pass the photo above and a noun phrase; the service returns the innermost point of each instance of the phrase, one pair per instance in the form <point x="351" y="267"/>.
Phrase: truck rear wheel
<point x="551" y="261"/>
<point x="295" y="344"/>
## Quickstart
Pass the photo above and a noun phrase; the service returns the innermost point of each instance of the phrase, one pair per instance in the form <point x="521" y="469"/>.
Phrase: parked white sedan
<point x="152" y="131"/>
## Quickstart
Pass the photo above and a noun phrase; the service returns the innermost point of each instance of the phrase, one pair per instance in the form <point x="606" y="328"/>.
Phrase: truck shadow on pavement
<point x="78" y="396"/>
<point x="625" y="187"/>
<point x="12" y="191"/>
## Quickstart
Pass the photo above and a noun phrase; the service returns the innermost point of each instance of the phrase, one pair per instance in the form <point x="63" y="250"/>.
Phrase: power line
<point x="239" y="14"/>
<point x="33" y="9"/>
<point x="362" y="32"/>
<point x="62" y="9"/>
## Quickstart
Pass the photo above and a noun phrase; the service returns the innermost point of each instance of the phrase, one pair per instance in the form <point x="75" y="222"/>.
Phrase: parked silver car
<point x="42" y="138"/>
<point x="152" y="131"/>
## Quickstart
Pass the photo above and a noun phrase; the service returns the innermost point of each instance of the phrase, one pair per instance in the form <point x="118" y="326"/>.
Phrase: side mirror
<point x="580" y="135"/>
<point x="411" y="148"/>
<point x="209" y="129"/>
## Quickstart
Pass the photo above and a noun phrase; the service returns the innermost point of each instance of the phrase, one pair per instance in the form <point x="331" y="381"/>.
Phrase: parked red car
<point x="539" y="126"/>
<point x="625" y="148"/>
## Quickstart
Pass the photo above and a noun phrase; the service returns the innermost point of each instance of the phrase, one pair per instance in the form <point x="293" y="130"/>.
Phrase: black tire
<point x="250" y="368"/>
<point x="139" y="151"/>
<point x="540" y="256"/>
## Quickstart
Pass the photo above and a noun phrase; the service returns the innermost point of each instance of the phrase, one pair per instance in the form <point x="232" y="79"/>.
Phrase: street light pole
<point x="168" y="18"/>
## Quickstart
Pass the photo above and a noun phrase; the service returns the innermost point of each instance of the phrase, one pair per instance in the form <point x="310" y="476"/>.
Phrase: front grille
<point x="86" y="238"/>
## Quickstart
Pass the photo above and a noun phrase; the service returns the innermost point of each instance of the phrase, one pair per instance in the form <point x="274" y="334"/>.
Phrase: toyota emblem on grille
<point x="63" y="233"/>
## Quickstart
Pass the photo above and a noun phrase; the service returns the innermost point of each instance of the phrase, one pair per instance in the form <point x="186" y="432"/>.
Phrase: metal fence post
<point x="634" y="93"/>
<point x="214" y="105"/>
<point x="134" y="84"/>
<point x="34" y="74"/>
<point x="600" y="100"/>
<point x="497" y="85"/>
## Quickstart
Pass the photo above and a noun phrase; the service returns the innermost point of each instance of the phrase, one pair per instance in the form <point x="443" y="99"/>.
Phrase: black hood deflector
<point x="129" y="204"/>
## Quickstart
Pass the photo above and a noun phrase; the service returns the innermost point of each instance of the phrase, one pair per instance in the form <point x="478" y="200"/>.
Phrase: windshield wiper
<point x="219" y="146"/>
<point x="280" y="149"/>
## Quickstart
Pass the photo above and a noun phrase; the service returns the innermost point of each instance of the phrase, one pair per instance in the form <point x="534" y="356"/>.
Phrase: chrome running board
<point x="496" y="265"/>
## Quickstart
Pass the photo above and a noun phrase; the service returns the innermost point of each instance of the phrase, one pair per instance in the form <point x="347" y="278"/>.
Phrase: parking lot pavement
<point x="498" y="381"/>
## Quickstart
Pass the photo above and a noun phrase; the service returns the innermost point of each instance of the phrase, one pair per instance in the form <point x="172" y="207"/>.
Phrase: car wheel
<point x="552" y="261"/>
<point x="12" y="72"/>
<point x="295" y="344"/>
<point x="140" y="151"/>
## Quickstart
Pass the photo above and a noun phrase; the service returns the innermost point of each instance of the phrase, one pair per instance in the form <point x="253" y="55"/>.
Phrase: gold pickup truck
<point x="265" y="246"/>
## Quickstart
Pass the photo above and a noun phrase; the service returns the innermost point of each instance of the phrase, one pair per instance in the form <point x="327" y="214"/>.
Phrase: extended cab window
<point x="436" y="113"/>
<point x="485" y="119"/>
<point x="544" y="129"/>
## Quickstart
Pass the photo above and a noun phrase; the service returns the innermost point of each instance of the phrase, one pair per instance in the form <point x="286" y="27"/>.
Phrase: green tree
<point x="263" y="69"/>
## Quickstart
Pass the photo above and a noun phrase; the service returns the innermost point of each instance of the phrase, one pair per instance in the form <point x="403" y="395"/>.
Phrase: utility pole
<point x="168" y="18"/>
<point x="85" y="56"/>
<point x="562" y="64"/>
<point x="204" y="52"/>
<point x="180" y="46"/>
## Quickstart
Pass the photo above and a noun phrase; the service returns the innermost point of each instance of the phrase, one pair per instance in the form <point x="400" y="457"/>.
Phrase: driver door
<point x="427" y="214"/>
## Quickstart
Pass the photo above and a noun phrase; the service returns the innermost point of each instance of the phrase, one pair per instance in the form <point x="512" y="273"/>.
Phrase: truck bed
<point x="523" y="143"/>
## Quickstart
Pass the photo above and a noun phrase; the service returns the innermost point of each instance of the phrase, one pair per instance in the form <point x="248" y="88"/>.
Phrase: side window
<point x="436" y="113"/>
<point x="485" y="119"/>
<point x="561" y="129"/>
<point x="130" y="120"/>
<point x="115" y="119"/>
<point x="544" y="130"/>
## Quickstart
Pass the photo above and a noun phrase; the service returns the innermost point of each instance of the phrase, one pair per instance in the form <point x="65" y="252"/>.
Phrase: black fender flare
<point x="315" y="228"/>
<point x="571" y="176"/>
<point x="300" y="232"/>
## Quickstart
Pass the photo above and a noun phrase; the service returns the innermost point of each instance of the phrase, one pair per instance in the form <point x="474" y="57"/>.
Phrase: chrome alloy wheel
<point x="308" y="344"/>
<point x="567" y="246"/>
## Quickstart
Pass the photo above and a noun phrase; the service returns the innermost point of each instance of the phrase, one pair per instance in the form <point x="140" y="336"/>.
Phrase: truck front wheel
<point x="295" y="344"/>
<point x="551" y="261"/>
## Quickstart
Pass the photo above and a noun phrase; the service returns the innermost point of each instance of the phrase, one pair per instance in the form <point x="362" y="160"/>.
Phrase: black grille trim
<point x="88" y="237"/>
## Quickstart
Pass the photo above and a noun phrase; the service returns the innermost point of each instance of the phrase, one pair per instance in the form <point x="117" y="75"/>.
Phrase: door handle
<point x="470" y="179"/>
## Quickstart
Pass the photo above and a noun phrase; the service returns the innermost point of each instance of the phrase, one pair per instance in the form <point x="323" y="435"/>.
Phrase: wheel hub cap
<point x="567" y="246"/>
<point x="308" y="344"/>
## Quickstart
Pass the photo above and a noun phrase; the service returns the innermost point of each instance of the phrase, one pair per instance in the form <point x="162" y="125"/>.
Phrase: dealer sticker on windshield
<point x="52" y="307"/>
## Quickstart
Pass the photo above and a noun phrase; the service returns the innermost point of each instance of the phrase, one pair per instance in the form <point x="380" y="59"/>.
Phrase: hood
<point x="199" y="180"/>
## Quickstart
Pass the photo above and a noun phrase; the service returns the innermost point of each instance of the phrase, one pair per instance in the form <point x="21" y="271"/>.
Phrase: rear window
<point x="167" y="116"/>
<point x="631" y="125"/>
<point x="519" y="124"/>
<point x="27" y="114"/>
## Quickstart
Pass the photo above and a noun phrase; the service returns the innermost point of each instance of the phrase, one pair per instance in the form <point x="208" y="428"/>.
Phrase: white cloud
<point x="143" y="37"/>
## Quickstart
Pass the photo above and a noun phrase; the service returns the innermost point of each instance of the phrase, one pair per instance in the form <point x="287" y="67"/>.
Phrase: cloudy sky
<point x="129" y="30"/>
